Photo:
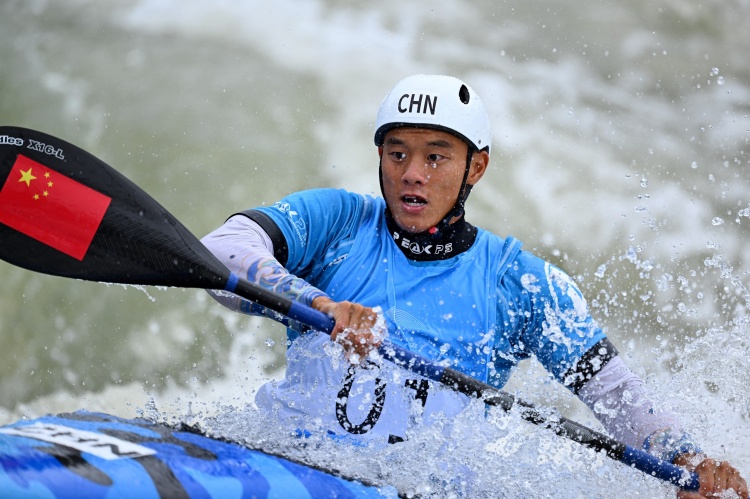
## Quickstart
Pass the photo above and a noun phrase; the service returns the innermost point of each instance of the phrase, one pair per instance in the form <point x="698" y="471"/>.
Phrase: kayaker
<point x="410" y="264"/>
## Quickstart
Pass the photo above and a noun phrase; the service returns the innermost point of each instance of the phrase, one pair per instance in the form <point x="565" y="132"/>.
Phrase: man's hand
<point x="715" y="477"/>
<point x="355" y="328"/>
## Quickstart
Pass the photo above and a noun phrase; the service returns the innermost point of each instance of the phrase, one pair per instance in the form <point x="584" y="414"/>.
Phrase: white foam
<point x="620" y="133"/>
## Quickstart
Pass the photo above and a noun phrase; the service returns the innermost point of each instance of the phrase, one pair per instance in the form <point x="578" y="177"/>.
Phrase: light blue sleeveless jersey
<point x="480" y="312"/>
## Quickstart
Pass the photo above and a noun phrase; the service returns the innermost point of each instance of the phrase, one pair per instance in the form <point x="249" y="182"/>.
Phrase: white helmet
<point x="435" y="101"/>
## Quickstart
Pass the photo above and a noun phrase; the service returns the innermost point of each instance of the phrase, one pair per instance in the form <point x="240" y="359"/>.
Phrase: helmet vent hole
<point x="463" y="94"/>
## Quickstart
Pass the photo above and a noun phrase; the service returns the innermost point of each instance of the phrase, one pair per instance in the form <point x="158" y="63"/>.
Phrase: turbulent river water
<point x="621" y="144"/>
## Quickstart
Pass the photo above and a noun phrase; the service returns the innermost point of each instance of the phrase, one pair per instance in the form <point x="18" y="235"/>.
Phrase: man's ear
<point x="380" y="152"/>
<point x="479" y="162"/>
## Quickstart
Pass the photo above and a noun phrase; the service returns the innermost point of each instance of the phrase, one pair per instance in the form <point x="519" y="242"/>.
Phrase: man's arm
<point x="619" y="400"/>
<point x="563" y="336"/>
<point x="247" y="250"/>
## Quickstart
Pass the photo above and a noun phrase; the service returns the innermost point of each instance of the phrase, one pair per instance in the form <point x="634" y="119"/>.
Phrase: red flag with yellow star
<point x="51" y="208"/>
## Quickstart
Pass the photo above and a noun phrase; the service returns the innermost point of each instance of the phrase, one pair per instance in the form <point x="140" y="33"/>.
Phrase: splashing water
<point x="620" y="148"/>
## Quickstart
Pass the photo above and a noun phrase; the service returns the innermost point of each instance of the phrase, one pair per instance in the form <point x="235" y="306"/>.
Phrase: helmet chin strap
<point x="458" y="209"/>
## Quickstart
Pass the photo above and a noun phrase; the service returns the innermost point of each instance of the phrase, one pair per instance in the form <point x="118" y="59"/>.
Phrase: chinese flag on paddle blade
<point x="51" y="208"/>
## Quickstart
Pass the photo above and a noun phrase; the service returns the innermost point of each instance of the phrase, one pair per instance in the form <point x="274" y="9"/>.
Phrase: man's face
<point x="422" y="174"/>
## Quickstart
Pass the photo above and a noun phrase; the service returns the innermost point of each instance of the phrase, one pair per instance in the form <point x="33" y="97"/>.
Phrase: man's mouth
<point x="414" y="200"/>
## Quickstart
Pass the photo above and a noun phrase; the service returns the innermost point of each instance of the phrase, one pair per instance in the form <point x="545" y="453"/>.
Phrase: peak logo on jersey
<point x="50" y="207"/>
<point x="417" y="104"/>
<point x="417" y="249"/>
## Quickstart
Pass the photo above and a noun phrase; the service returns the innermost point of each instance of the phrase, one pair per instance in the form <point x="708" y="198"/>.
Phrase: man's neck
<point x="441" y="245"/>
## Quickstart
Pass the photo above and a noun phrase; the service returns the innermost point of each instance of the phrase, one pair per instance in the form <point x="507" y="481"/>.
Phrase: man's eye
<point x="434" y="158"/>
<point x="398" y="155"/>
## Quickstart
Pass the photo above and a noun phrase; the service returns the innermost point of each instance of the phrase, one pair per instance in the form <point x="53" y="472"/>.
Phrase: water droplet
<point x="600" y="271"/>
<point x="694" y="165"/>
<point x="269" y="342"/>
<point x="717" y="221"/>
<point x="720" y="80"/>
<point x="714" y="71"/>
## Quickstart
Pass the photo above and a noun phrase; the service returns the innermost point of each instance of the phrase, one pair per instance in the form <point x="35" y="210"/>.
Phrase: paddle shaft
<point x="465" y="384"/>
<point x="135" y="240"/>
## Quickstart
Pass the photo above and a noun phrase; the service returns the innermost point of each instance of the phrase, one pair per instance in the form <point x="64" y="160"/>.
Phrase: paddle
<point x="64" y="212"/>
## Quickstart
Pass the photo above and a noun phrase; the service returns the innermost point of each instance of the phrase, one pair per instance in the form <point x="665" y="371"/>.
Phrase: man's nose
<point x="417" y="171"/>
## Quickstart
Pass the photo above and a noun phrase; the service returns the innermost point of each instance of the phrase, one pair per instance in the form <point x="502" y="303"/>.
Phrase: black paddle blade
<point x="64" y="212"/>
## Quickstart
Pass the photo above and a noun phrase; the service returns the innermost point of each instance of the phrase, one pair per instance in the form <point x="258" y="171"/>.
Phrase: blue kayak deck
<point x="96" y="455"/>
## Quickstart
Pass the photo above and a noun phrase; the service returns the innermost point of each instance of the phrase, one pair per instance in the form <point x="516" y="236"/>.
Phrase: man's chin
<point x="414" y="223"/>
<point x="412" y="227"/>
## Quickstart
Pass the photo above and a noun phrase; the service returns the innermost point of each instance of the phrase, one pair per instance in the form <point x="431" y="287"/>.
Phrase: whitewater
<point x="620" y="154"/>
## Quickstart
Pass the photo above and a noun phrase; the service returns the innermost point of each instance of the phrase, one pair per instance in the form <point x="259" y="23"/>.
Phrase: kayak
<point x="87" y="454"/>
